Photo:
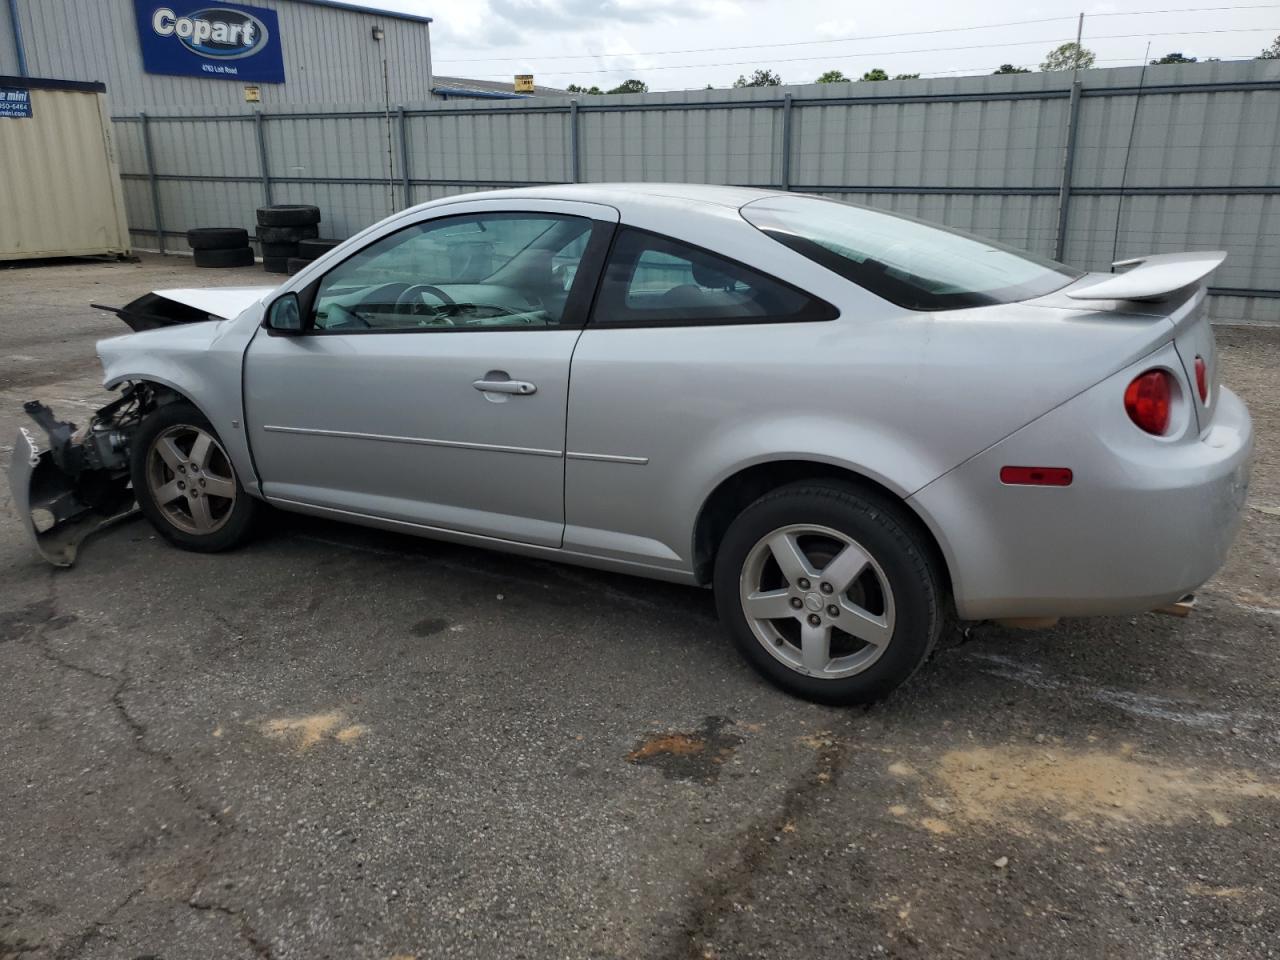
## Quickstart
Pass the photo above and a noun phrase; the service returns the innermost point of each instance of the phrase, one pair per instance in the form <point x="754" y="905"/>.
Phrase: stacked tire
<point x="281" y="228"/>
<point x="309" y="250"/>
<point x="220" y="247"/>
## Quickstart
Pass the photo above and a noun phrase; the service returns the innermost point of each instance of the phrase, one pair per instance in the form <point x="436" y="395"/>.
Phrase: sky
<point x="688" y="44"/>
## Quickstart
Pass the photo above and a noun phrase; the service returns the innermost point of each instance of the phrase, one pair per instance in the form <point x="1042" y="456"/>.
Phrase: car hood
<point x="225" y="303"/>
<point x="186" y="305"/>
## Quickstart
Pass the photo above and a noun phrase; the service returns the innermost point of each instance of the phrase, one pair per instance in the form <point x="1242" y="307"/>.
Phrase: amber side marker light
<point x="1036" y="476"/>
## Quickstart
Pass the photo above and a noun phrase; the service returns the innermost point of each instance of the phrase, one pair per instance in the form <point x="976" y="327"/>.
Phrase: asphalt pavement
<point x="342" y="743"/>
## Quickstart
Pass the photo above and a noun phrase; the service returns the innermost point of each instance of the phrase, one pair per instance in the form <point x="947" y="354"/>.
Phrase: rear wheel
<point x="828" y="592"/>
<point x="185" y="483"/>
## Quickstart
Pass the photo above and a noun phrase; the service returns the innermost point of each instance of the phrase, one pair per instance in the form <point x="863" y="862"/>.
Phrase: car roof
<point x="626" y="196"/>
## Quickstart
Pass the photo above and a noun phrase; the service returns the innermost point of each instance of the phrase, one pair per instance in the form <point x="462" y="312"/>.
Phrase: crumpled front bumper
<point x="49" y="502"/>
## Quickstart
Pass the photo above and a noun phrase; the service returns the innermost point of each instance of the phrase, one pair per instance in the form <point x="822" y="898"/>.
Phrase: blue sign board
<point x="15" y="102"/>
<point x="222" y="41"/>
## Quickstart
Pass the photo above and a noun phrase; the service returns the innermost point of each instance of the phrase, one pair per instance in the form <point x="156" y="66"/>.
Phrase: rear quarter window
<point x="909" y="262"/>
<point x="651" y="279"/>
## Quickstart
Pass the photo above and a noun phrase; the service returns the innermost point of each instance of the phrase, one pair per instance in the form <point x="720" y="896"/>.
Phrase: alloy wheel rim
<point x="190" y="478"/>
<point x="817" y="600"/>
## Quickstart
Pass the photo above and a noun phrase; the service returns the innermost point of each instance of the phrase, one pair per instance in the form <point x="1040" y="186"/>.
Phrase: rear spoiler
<point x="1151" y="278"/>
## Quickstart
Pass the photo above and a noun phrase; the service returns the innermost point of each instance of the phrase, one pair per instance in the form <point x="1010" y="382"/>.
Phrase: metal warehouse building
<point x="164" y="55"/>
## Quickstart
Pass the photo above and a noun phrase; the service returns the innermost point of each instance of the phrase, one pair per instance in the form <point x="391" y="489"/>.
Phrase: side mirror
<point x="284" y="316"/>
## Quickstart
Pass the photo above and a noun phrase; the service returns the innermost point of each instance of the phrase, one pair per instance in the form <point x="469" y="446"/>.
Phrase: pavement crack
<point x="141" y="744"/>
<point x="71" y="949"/>
<point x="248" y="934"/>
<point x="729" y="888"/>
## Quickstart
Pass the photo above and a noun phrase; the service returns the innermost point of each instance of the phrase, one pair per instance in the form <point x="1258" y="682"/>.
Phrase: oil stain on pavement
<point x="689" y="756"/>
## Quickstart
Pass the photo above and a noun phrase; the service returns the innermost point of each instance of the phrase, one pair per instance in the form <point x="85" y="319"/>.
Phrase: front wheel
<point x="828" y="592"/>
<point x="185" y="483"/>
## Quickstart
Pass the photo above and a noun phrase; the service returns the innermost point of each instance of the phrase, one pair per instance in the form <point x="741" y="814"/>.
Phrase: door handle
<point x="519" y="387"/>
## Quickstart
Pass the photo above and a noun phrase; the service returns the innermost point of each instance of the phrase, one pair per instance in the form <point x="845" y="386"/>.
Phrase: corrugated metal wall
<point x="8" y="50"/>
<point x="329" y="56"/>
<point x="69" y="201"/>
<point x="980" y="153"/>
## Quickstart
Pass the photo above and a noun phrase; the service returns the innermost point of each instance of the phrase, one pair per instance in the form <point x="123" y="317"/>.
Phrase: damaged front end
<point x="74" y="482"/>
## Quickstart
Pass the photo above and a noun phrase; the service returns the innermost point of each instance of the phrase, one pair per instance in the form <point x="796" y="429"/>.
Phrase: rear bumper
<point x="1144" y="522"/>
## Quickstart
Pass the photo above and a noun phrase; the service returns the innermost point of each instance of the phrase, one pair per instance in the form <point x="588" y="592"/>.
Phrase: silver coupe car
<point x="850" y="424"/>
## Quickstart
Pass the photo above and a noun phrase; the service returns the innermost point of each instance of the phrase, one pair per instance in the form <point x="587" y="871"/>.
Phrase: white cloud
<point x="845" y="27"/>
<point x="602" y="42"/>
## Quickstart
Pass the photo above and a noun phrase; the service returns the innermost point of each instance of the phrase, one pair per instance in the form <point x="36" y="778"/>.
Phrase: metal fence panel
<point x="330" y="148"/>
<point x="689" y="146"/>
<point x="1166" y="158"/>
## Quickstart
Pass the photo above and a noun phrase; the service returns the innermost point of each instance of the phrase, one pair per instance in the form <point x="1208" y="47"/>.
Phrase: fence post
<point x="151" y="178"/>
<point x="262" y="157"/>
<point x="786" y="141"/>
<point x="1068" y="161"/>
<point x="575" y="162"/>
<point x="404" y="157"/>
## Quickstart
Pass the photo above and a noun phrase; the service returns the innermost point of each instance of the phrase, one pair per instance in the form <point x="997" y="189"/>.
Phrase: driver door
<point x="429" y="385"/>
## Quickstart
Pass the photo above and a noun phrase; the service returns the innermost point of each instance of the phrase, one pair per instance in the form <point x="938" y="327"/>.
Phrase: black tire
<point x="888" y="535"/>
<point x="236" y="524"/>
<point x="279" y="250"/>
<point x="287" y="234"/>
<point x="217" y="238"/>
<point x="314" y="249"/>
<point x="296" y="264"/>
<point x="275" y="264"/>
<point x="288" y="215"/>
<point x="239" y="257"/>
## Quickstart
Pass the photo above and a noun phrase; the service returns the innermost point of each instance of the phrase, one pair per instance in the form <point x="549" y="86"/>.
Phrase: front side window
<point x="914" y="264"/>
<point x="652" y="279"/>
<point x="474" y="271"/>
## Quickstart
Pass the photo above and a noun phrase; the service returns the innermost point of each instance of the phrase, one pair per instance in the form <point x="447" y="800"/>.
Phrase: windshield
<point x="914" y="264"/>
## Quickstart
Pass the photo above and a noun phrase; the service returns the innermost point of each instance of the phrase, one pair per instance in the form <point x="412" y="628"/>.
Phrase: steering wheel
<point x="412" y="297"/>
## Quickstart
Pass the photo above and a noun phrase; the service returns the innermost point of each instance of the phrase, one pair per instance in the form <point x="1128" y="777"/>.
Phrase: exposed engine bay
<point x="75" y="481"/>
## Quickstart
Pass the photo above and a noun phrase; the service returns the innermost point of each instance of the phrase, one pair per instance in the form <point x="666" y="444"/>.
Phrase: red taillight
<point x="1036" y="476"/>
<point x="1149" y="400"/>
<point x="1202" y="379"/>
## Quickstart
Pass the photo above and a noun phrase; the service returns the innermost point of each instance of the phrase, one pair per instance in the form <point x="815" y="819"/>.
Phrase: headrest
<point x="708" y="276"/>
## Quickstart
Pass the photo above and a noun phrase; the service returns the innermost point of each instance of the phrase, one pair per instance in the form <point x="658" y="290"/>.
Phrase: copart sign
<point x="222" y="41"/>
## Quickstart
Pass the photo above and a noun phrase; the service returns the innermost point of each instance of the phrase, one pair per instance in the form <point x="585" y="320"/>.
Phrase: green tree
<point x="1010" y="68"/>
<point x="760" y="78"/>
<point x="833" y="76"/>
<point x="875" y="73"/>
<point x="1069" y="56"/>
<point x="1272" y="52"/>
<point x="574" y="88"/>
<point x="906" y="76"/>
<point x="631" y="86"/>
<point x="1173" y="58"/>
